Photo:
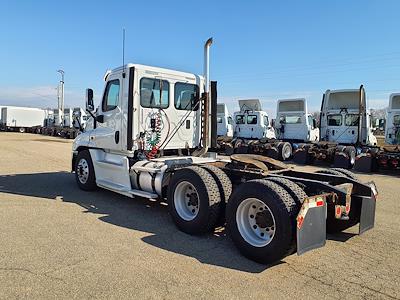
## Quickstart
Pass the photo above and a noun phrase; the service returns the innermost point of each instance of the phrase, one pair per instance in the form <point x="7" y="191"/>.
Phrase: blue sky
<point x="262" y="49"/>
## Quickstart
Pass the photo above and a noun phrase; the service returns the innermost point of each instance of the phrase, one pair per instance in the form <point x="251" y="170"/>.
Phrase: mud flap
<point x="311" y="224"/>
<point x="367" y="218"/>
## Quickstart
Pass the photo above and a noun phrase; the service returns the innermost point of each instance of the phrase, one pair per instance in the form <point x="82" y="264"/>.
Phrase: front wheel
<point x="84" y="171"/>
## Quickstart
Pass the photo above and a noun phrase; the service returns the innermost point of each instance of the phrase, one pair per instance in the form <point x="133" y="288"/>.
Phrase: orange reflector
<point x="300" y="221"/>
<point x="338" y="210"/>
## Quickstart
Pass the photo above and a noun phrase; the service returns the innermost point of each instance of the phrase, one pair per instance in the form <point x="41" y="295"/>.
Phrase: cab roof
<point x="159" y="70"/>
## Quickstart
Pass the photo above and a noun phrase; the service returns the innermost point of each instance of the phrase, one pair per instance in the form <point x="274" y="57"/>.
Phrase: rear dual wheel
<point x="194" y="200"/>
<point x="261" y="218"/>
<point x="285" y="150"/>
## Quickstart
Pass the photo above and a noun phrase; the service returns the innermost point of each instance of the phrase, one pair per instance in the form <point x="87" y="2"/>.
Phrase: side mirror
<point x="100" y="118"/>
<point x="89" y="100"/>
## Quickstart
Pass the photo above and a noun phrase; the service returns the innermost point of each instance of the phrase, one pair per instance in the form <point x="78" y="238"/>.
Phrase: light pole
<point x="62" y="97"/>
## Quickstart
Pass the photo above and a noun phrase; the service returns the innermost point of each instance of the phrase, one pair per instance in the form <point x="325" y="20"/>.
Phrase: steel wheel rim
<point x="254" y="230"/>
<point x="186" y="201"/>
<point x="352" y="158"/>
<point x="83" y="171"/>
<point x="286" y="152"/>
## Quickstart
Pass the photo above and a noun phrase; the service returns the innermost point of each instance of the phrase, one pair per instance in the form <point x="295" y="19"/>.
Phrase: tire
<point x="346" y="173"/>
<point x="275" y="202"/>
<point x="21" y="129"/>
<point x="292" y="188"/>
<point x="351" y="153"/>
<point x="84" y="171"/>
<point x="201" y="215"/>
<point x="330" y="172"/>
<point x="284" y="150"/>
<point x="224" y="187"/>
<point x="295" y="191"/>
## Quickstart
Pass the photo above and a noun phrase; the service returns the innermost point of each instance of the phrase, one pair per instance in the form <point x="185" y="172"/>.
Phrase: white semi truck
<point x="225" y="125"/>
<point x="150" y="138"/>
<point x="255" y="133"/>
<point x="14" y="118"/>
<point x="293" y="122"/>
<point x="387" y="156"/>
<point x="392" y="130"/>
<point x="344" y="129"/>
<point x="251" y="122"/>
<point x="74" y="120"/>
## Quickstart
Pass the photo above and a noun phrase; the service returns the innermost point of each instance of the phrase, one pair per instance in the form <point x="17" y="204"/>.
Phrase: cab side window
<point x="311" y="121"/>
<point x="154" y="93"/>
<point x="111" y="95"/>
<point x="266" y="121"/>
<point x="186" y="96"/>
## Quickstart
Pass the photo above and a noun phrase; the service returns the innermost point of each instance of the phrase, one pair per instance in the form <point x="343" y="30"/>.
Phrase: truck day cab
<point x="150" y="137"/>
<point x="255" y="133"/>
<point x="344" y="129"/>
<point x="392" y="130"/>
<point x="294" y="123"/>
<point x="225" y="124"/>
<point x="388" y="155"/>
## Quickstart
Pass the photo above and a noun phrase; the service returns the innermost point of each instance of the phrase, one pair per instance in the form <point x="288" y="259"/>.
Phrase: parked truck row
<point x="43" y="121"/>
<point x="344" y="137"/>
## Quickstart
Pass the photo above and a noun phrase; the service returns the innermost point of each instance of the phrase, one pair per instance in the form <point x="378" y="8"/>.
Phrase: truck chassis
<point x="271" y="211"/>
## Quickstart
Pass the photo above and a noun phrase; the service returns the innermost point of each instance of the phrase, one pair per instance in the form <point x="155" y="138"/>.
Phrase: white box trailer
<point x="21" y="118"/>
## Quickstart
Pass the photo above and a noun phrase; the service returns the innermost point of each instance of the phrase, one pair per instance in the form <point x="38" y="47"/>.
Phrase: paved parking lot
<point x="58" y="241"/>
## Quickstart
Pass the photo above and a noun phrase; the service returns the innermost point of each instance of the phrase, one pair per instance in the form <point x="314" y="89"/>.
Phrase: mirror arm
<point x="94" y="118"/>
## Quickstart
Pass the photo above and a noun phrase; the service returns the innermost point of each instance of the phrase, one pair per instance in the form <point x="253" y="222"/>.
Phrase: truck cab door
<point x="312" y="129"/>
<point x="107" y="133"/>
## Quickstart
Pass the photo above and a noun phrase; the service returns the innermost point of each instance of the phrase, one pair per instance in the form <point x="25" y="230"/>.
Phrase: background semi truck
<point x="388" y="155"/>
<point x="392" y="130"/>
<point x="150" y="137"/>
<point x="225" y="125"/>
<point x="251" y="122"/>
<point x="20" y="119"/>
<point x="344" y="129"/>
<point x="293" y="122"/>
<point x="255" y="132"/>
<point x="275" y="139"/>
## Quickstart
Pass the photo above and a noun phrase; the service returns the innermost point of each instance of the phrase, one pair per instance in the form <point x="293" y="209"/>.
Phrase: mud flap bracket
<point x="311" y="224"/>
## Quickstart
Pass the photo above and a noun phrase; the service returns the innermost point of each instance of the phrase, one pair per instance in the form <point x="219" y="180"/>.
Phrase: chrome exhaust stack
<point x="205" y="130"/>
<point x="206" y="71"/>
